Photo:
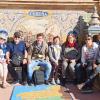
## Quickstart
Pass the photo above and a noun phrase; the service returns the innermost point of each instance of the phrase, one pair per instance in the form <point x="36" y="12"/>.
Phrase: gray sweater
<point x="55" y="53"/>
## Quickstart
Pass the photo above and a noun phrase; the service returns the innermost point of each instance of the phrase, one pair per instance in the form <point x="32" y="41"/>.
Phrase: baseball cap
<point x="3" y="34"/>
<point x="17" y="34"/>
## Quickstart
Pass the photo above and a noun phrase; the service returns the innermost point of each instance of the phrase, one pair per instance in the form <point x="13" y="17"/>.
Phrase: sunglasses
<point x="2" y="39"/>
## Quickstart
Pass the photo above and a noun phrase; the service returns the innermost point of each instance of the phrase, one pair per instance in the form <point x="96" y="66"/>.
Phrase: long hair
<point x="68" y="37"/>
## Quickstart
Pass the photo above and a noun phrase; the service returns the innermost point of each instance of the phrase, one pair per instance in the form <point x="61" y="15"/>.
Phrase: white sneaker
<point x="53" y="81"/>
<point x="80" y="86"/>
<point x="58" y="81"/>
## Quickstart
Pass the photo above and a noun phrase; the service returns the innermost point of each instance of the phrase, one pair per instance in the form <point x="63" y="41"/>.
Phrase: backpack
<point x="38" y="77"/>
<point x="72" y="54"/>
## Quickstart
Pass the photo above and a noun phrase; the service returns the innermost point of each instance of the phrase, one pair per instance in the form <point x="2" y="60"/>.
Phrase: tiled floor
<point x="6" y="93"/>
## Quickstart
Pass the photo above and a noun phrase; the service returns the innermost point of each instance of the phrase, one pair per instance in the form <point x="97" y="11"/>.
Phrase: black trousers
<point x="14" y="73"/>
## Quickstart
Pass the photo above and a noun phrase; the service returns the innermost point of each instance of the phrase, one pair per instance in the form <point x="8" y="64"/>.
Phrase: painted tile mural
<point x="56" y="22"/>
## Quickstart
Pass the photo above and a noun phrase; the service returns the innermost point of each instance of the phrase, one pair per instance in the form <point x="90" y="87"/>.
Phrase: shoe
<point x="79" y="86"/>
<point x="63" y="81"/>
<point x="24" y="83"/>
<point x="86" y="90"/>
<point x="58" y="81"/>
<point x="16" y="82"/>
<point x="30" y="82"/>
<point x="53" y="81"/>
<point x="46" y="82"/>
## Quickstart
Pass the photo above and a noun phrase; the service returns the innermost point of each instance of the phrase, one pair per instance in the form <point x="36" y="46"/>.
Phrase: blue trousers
<point x="42" y="63"/>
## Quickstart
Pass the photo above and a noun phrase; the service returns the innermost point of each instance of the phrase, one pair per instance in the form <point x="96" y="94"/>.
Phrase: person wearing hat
<point x="3" y="63"/>
<point x="17" y="57"/>
<point x="70" y="55"/>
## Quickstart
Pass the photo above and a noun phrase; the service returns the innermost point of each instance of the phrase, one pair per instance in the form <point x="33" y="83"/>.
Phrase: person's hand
<point x="72" y="61"/>
<point x="4" y="61"/>
<point x="8" y="61"/>
<point x="94" y="66"/>
<point x="24" y="61"/>
<point x="56" y="63"/>
<point x="84" y="65"/>
<point x="29" y="61"/>
<point x="66" y="60"/>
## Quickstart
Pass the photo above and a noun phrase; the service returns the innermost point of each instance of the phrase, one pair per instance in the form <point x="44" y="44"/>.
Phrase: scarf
<point x="71" y="44"/>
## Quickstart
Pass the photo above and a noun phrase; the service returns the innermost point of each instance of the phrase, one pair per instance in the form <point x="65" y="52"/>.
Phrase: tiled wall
<point x="56" y="22"/>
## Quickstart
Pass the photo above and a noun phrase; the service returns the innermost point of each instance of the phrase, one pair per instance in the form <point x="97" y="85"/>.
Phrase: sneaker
<point x="79" y="86"/>
<point x="58" y="81"/>
<point x="46" y="82"/>
<point x="86" y="90"/>
<point x="16" y="82"/>
<point x="53" y="81"/>
<point x="63" y="82"/>
<point x="24" y="83"/>
<point x="30" y="83"/>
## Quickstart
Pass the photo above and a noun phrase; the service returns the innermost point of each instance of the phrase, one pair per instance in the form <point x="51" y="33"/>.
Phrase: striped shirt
<point x="89" y="53"/>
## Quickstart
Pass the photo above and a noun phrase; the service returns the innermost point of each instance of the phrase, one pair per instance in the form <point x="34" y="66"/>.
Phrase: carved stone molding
<point x="48" y="4"/>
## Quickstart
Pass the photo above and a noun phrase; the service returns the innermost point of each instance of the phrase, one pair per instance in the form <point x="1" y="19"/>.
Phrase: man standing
<point x="38" y="56"/>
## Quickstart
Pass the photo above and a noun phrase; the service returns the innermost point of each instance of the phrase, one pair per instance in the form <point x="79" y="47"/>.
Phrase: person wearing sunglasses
<point x="89" y="54"/>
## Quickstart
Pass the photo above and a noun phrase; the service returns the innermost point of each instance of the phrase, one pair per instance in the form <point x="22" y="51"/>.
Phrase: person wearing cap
<point x="15" y="48"/>
<point x="70" y="55"/>
<point x="3" y="63"/>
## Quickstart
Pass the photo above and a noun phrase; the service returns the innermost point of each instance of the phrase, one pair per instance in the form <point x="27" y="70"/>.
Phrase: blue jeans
<point x="42" y="63"/>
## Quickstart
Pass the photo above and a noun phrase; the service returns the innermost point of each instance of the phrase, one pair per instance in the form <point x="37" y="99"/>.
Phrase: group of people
<point x="50" y="56"/>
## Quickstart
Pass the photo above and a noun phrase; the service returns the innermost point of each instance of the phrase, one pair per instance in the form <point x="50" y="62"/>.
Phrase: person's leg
<point x="64" y="66"/>
<point x="31" y="68"/>
<point x="13" y="72"/>
<point x="72" y="65"/>
<point x="91" y="78"/>
<point x="57" y="75"/>
<point x="5" y="71"/>
<point x="72" y="68"/>
<point x="53" y="70"/>
<point x="53" y="73"/>
<point x="87" y="86"/>
<point x="89" y="73"/>
<point x="24" y="73"/>
<point x="78" y="73"/>
<point x="48" y="68"/>
<point x="1" y="72"/>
